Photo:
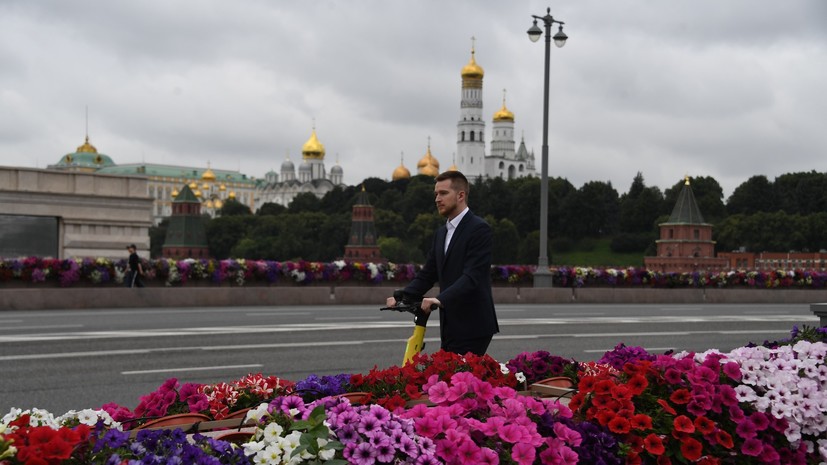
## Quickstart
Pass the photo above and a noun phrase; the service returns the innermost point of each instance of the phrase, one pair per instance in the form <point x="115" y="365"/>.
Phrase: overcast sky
<point x="721" y="88"/>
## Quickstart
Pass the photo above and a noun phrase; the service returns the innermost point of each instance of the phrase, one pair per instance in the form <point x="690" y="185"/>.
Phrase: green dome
<point x="86" y="156"/>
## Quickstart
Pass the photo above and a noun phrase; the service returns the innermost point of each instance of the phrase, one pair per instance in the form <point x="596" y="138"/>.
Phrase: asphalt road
<point x="73" y="359"/>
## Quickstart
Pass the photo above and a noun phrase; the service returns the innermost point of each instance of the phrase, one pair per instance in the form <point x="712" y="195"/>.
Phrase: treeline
<point x="789" y="213"/>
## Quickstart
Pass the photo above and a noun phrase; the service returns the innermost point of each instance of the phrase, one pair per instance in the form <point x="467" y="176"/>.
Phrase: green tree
<point x="506" y="241"/>
<point x="803" y="193"/>
<point x="421" y="231"/>
<point x="591" y="211"/>
<point x="418" y="198"/>
<point x="233" y="207"/>
<point x="157" y="236"/>
<point x="304" y="202"/>
<point x="271" y="209"/>
<point x="223" y="233"/>
<point x="639" y="207"/>
<point x="389" y="223"/>
<point x="752" y="196"/>
<point x="396" y="250"/>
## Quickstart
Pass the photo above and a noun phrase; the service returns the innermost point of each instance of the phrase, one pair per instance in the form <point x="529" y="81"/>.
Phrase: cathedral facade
<point x="281" y="188"/>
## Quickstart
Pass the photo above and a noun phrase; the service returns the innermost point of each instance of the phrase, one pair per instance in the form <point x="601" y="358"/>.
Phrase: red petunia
<point x="654" y="444"/>
<point x="680" y="396"/>
<point x="704" y="425"/>
<point x="724" y="439"/>
<point x="637" y="384"/>
<point x="619" y="425"/>
<point x="691" y="449"/>
<point x="413" y="391"/>
<point x="666" y="407"/>
<point x="683" y="424"/>
<point x="603" y="387"/>
<point x="641" y="422"/>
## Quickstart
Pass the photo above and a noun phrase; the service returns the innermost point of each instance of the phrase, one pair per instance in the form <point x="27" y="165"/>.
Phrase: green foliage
<point x="157" y="236"/>
<point x="600" y="256"/>
<point x="396" y="250"/>
<point x="271" y="209"/>
<point x="631" y="243"/>
<point x="405" y="218"/>
<point x="312" y="430"/>
<point x="233" y="207"/>
<point x="305" y="202"/>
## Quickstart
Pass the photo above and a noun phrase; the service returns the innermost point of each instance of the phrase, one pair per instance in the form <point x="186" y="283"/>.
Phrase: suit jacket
<point x="464" y="276"/>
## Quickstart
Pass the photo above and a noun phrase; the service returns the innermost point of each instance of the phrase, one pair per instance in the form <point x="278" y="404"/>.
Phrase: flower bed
<point x="762" y="404"/>
<point x="239" y="272"/>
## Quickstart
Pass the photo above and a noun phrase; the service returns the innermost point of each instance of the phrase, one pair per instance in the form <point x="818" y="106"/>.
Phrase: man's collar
<point x="457" y="219"/>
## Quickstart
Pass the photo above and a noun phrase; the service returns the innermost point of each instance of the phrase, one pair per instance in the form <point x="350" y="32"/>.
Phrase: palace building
<point x="212" y="187"/>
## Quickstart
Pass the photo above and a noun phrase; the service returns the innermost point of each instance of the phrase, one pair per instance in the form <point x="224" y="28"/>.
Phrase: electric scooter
<point x="412" y="304"/>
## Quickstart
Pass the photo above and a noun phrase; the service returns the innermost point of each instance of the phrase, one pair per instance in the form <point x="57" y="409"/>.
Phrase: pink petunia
<point x="752" y="447"/>
<point x="567" y="435"/>
<point x="511" y="433"/>
<point x="438" y="393"/>
<point x="523" y="453"/>
<point x="733" y="370"/>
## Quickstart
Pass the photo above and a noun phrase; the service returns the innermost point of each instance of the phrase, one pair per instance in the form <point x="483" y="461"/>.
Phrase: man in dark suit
<point x="460" y="261"/>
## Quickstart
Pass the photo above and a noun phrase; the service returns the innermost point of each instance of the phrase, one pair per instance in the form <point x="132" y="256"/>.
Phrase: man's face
<point x="447" y="199"/>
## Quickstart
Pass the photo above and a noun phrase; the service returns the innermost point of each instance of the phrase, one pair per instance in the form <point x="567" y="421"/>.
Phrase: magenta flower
<point x="752" y="447"/>
<point x="523" y="453"/>
<point x="732" y="370"/>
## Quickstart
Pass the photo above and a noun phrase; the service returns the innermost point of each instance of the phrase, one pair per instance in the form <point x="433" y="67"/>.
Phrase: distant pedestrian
<point x="135" y="270"/>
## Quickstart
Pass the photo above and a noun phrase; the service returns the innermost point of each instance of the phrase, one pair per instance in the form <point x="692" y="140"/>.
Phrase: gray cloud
<point x="722" y="89"/>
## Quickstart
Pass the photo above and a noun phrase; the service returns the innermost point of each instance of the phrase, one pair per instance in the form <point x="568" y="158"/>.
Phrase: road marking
<point x="16" y="328"/>
<point x="175" y="370"/>
<point x="347" y="317"/>
<point x="281" y="345"/>
<point x="277" y="313"/>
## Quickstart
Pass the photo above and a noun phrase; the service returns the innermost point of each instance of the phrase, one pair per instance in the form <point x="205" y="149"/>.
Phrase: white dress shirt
<point x="451" y="225"/>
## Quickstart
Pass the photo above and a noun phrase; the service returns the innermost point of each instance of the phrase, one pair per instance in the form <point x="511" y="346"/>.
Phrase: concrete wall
<point x="153" y="297"/>
<point x="98" y="214"/>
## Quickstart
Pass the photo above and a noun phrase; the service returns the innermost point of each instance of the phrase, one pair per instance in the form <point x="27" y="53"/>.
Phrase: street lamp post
<point x="543" y="277"/>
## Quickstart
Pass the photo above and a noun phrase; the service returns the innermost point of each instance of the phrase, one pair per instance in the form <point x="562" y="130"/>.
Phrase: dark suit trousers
<point x="477" y="345"/>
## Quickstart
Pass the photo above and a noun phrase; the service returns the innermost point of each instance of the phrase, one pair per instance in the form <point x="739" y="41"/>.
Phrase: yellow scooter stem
<point x="415" y="344"/>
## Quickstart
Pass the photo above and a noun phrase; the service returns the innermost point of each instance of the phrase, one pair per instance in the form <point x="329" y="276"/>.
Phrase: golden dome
<point x="453" y="168"/>
<point x="87" y="147"/>
<point x="193" y="185"/>
<point x="209" y="204"/>
<point x="218" y="203"/>
<point x="428" y="159"/>
<point x="313" y="148"/>
<point x="430" y="170"/>
<point x="174" y="193"/>
<point x="205" y="186"/>
<point x="197" y="193"/>
<point x="400" y="173"/>
<point x="504" y="114"/>
<point x="231" y="195"/>
<point x="472" y="69"/>
<point x="222" y="187"/>
<point x="428" y="165"/>
<point x="208" y="175"/>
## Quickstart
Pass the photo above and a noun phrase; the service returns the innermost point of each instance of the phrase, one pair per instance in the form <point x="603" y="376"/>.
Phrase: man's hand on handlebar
<point x="428" y="303"/>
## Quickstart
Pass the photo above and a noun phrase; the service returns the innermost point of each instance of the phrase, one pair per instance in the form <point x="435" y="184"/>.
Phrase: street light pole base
<point x="542" y="277"/>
